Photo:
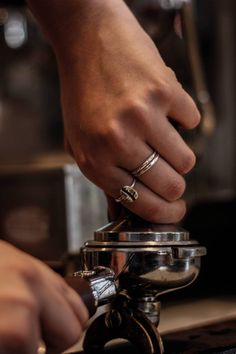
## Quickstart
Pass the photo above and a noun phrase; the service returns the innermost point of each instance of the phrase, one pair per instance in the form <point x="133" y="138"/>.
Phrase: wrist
<point x="67" y="24"/>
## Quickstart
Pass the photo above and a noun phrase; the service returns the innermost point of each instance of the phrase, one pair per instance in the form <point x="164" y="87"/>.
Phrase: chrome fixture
<point x="145" y="261"/>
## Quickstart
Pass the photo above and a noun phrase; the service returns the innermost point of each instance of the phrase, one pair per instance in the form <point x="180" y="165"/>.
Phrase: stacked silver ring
<point x="146" y="165"/>
<point x="128" y="193"/>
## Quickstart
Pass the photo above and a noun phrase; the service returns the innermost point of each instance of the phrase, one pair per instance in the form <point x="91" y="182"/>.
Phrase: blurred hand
<point x="35" y="304"/>
<point x="119" y="101"/>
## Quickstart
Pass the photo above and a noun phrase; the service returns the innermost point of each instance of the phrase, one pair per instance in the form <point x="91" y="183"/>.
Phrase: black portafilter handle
<point x="83" y="288"/>
<point x="95" y="287"/>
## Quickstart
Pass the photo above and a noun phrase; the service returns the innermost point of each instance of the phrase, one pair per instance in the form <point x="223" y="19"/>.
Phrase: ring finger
<point x="148" y="205"/>
<point x="161" y="178"/>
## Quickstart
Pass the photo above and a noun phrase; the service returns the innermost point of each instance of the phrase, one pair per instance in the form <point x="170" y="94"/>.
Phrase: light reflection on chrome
<point x="15" y="30"/>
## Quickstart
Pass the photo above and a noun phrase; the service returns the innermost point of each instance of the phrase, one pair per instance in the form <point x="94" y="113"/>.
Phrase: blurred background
<point x="46" y="206"/>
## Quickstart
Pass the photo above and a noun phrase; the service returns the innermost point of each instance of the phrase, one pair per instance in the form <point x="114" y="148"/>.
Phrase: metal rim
<point x="188" y="251"/>
<point x="124" y="232"/>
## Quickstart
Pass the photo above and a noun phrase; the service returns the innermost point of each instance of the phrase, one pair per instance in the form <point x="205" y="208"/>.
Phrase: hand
<point x="119" y="101"/>
<point x="35" y="304"/>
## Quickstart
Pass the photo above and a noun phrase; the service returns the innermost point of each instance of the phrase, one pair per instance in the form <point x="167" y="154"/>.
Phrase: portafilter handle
<point x="95" y="287"/>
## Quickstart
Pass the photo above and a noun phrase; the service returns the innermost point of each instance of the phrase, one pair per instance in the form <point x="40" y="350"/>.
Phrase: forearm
<point x="67" y="24"/>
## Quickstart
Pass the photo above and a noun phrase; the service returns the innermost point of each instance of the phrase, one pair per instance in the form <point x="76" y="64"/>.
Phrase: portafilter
<point x="129" y="264"/>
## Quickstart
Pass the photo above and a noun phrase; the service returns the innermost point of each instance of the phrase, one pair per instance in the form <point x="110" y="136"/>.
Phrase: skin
<point x="119" y="100"/>
<point x="35" y="304"/>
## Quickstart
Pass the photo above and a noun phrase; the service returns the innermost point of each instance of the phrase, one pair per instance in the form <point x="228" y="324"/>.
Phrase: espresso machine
<point x="129" y="265"/>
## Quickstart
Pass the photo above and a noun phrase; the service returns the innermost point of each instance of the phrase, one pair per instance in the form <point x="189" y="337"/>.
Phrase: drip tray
<point x="213" y="339"/>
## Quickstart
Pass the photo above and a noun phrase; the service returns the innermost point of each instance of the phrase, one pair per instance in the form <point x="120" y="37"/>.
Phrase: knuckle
<point x="163" y="93"/>
<point x="165" y="88"/>
<point x="115" y="136"/>
<point x="187" y="163"/>
<point x="85" y="165"/>
<point x="135" y="111"/>
<point x="92" y="171"/>
<point x="175" y="189"/>
<point x="133" y="105"/>
<point x="89" y="163"/>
